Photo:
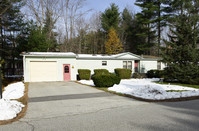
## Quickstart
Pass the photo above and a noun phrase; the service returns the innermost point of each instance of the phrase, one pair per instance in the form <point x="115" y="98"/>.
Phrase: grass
<point x="24" y="101"/>
<point x="179" y="84"/>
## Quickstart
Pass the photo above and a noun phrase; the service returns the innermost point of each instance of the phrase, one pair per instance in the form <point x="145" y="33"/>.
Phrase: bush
<point x="137" y="75"/>
<point x="101" y="71"/>
<point x="123" y="73"/>
<point x="105" y="80"/>
<point x="84" y="74"/>
<point x="155" y="73"/>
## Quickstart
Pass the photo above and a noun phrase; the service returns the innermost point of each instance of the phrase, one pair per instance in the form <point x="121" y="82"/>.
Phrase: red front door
<point x="136" y="66"/>
<point x="66" y="71"/>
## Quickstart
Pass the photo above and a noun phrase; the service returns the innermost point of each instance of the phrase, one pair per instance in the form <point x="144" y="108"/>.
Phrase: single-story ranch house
<point x="57" y="66"/>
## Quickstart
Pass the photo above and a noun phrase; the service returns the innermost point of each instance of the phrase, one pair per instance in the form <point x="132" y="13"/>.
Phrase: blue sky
<point x="101" y="5"/>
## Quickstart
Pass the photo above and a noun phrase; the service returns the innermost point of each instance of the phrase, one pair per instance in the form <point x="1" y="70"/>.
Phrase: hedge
<point x="105" y="80"/>
<point x="101" y="71"/>
<point x="84" y="74"/>
<point x="123" y="73"/>
<point x="155" y="73"/>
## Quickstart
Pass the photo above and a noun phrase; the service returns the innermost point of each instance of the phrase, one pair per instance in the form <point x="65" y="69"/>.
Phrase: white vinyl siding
<point x="97" y="64"/>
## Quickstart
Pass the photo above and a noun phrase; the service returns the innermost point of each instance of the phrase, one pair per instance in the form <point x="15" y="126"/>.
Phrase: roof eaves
<point x="122" y="54"/>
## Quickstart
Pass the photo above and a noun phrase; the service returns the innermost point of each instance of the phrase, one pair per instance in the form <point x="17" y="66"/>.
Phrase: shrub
<point x="155" y="73"/>
<point x="84" y="74"/>
<point x="105" y="80"/>
<point x="123" y="73"/>
<point x="101" y="71"/>
<point x="137" y="75"/>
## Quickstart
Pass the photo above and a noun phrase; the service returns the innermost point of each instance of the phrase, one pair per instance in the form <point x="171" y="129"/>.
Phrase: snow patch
<point x="87" y="82"/>
<point x="10" y="108"/>
<point x="147" y="89"/>
<point x="14" y="91"/>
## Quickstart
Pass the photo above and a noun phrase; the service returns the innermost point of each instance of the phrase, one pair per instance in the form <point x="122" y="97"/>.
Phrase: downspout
<point x="24" y="68"/>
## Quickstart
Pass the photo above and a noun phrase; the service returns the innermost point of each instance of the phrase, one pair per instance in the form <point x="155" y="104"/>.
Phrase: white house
<point x="57" y="66"/>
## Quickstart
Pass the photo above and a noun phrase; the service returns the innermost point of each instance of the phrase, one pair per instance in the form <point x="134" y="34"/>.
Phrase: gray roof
<point x="64" y="54"/>
<point x="84" y="56"/>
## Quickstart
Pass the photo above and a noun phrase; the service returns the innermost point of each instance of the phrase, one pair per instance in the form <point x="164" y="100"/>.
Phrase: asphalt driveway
<point x="74" y="107"/>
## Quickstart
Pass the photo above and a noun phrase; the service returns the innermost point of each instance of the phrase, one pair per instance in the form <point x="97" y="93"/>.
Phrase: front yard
<point x="149" y="90"/>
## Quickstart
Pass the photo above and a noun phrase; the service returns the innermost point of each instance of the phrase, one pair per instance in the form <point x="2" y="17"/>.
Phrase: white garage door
<point x="43" y="71"/>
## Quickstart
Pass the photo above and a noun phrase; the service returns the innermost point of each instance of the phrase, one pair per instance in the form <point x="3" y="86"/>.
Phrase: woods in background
<point x="64" y="26"/>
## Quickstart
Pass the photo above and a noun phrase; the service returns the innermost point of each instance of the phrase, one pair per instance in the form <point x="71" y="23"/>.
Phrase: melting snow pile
<point x="10" y="108"/>
<point x="150" y="92"/>
<point x="87" y="82"/>
<point x="147" y="89"/>
<point x="14" y="91"/>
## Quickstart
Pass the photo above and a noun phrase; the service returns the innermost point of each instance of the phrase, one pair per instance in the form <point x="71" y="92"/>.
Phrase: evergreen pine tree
<point x="11" y="23"/>
<point x="45" y="40"/>
<point x="160" y="18"/>
<point x="131" y="27"/>
<point x="145" y="17"/>
<point x="127" y="28"/>
<point x="37" y="41"/>
<point x="181" y="53"/>
<point x="110" y="18"/>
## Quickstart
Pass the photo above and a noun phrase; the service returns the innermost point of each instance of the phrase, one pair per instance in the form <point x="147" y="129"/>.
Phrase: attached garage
<point x="49" y="66"/>
<point x="43" y="71"/>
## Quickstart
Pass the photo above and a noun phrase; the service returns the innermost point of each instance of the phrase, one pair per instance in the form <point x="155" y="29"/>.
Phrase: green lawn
<point x="179" y="84"/>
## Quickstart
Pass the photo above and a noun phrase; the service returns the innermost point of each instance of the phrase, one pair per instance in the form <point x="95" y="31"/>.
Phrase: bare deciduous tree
<point x="37" y="9"/>
<point x="82" y="28"/>
<point x="71" y="12"/>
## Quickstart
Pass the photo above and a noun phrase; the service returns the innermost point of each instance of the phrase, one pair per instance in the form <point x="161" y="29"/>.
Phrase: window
<point x="159" y="65"/>
<point x="129" y="64"/>
<point x="104" y="63"/>
<point x="125" y="64"/>
<point x="66" y="69"/>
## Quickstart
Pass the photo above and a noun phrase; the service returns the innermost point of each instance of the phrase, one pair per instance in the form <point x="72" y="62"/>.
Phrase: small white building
<point x="57" y="66"/>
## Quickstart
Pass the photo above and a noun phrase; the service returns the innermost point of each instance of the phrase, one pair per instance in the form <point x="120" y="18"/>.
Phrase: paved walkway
<point x="68" y="106"/>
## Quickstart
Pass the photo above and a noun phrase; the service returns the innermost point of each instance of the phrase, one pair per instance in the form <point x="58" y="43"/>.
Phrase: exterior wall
<point x="60" y="62"/>
<point x="162" y="66"/>
<point x="147" y="65"/>
<point x="91" y="64"/>
<point x="97" y="64"/>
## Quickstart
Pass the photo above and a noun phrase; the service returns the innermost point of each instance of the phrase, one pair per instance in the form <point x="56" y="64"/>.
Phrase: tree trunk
<point x="42" y="18"/>
<point x="159" y="28"/>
